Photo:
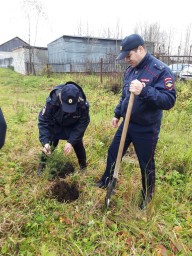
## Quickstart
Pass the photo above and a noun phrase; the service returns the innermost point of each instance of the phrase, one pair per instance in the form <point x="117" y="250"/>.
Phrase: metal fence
<point x="110" y="66"/>
<point x="88" y="67"/>
<point x="171" y="59"/>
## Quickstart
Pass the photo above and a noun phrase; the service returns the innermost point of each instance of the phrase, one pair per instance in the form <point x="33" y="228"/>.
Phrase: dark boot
<point x="82" y="165"/>
<point x="42" y="165"/>
<point x="103" y="183"/>
<point x="146" y="199"/>
<point x="40" y="168"/>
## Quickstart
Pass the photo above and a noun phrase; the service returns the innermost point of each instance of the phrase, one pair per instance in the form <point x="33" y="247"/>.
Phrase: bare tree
<point x="79" y="29"/>
<point x="106" y="32"/>
<point x="33" y="10"/>
<point x="118" y="32"/>
<point x="164" y="40"/>
<point x="170" y="39"/>
<point x="186" y="49"/>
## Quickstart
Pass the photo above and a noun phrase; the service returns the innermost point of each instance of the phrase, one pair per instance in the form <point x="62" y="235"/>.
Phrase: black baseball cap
<point x="69" y="98"/>
<point x="129" y="43"/>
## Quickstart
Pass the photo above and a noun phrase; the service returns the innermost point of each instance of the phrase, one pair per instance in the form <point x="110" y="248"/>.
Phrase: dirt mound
<point x="64" y="192"/>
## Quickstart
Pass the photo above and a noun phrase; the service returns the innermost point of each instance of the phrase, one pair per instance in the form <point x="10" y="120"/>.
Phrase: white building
<point x="22" y="57"/>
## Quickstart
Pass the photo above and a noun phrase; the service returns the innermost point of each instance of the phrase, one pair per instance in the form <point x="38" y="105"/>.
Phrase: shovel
<point x="112" y="183"/>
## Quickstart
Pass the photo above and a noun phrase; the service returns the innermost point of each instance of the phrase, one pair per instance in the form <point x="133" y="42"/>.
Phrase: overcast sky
<point x="68" y="17"/>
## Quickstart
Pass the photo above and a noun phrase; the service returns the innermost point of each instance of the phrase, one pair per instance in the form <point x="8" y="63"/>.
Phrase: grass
<point x="33" y="223"/>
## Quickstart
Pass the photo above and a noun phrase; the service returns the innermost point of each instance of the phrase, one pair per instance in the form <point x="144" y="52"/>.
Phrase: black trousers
<point x="144" y="139"/>
<point x="3" y="128"/>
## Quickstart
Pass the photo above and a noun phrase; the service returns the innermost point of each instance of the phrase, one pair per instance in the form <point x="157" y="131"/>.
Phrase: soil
<point x="64" y="192"/>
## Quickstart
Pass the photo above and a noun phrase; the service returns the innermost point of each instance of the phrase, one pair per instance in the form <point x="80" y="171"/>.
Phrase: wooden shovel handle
<point x="123" y="135"/>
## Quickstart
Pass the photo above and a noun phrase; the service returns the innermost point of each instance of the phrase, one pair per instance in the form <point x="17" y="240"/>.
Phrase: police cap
<point x="69" y="97"/>
<point x="129" y="43"/>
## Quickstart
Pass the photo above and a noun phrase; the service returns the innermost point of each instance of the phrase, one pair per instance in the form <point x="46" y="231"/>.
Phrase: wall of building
<point x="19" y="60"/>
<point x="22" y="63"/>
<point x="39" y="59"/>
<point x="6" y="59"/>
<point x="70" y="50"/>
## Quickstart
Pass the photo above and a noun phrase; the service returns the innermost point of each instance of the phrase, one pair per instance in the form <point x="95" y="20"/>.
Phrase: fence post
<point x="190" y="54"/>
<point x="101" y="71"/>
<point x="179" y="49"/>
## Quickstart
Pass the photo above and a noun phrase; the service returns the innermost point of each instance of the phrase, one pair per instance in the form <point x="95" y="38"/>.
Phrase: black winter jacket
<point x="52" y="118"/>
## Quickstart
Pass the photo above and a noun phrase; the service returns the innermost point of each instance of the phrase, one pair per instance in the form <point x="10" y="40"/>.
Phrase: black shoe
<point x="41" y="168"/>
<point x="83" y="168"/>
<point x="102" y="184"/>
<point x="144" y="203"/>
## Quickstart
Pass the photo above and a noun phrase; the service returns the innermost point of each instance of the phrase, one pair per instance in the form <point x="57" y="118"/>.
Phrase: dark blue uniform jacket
<point x="157" y="95"/>
<point x="3" y="128"/>
<point x="53" y="120"/>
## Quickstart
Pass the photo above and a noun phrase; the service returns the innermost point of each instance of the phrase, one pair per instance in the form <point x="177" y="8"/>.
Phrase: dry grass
<point x="33" y="223"/>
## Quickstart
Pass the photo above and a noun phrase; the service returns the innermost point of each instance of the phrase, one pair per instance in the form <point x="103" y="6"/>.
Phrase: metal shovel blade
<point x="110" y="190"/>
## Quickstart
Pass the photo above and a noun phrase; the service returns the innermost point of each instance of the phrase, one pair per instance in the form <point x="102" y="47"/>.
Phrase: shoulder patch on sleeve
<point x="168" y="83"/>
<point x="43" y="110"/>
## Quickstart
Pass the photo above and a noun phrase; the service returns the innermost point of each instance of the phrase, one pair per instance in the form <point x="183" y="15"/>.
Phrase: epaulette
<point x="159" y="67"/>
<point x="54" y="97"/>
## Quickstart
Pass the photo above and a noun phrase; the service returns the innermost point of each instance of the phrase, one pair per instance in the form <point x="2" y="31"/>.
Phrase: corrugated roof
<point x="87" y="38"/>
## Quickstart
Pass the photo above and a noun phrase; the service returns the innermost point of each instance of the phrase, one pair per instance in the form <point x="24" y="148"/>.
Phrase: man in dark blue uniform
<point x="64" y="117"/>
<point x="3" y="128"/>
<point x="152" y="83"/>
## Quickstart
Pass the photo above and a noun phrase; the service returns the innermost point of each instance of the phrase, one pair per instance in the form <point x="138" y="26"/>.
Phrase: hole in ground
<point x="64" y="192"/>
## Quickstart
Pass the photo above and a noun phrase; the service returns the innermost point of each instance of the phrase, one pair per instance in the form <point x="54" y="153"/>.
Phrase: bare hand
<point x="68" y="148"/>
<point x="136" y="87"/>
<point x="115" y="122"/>
<point x="47" y="149"/>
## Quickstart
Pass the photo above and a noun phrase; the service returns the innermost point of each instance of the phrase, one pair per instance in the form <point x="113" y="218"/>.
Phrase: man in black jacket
<point x="64" y="117"/>
<point x="3" y="128"/>
<point x="152" y="83"/>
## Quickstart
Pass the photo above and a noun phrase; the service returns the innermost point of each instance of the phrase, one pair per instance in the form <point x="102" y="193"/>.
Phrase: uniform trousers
<point x="63" y="134"/>
<point x="144" y="140"/>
